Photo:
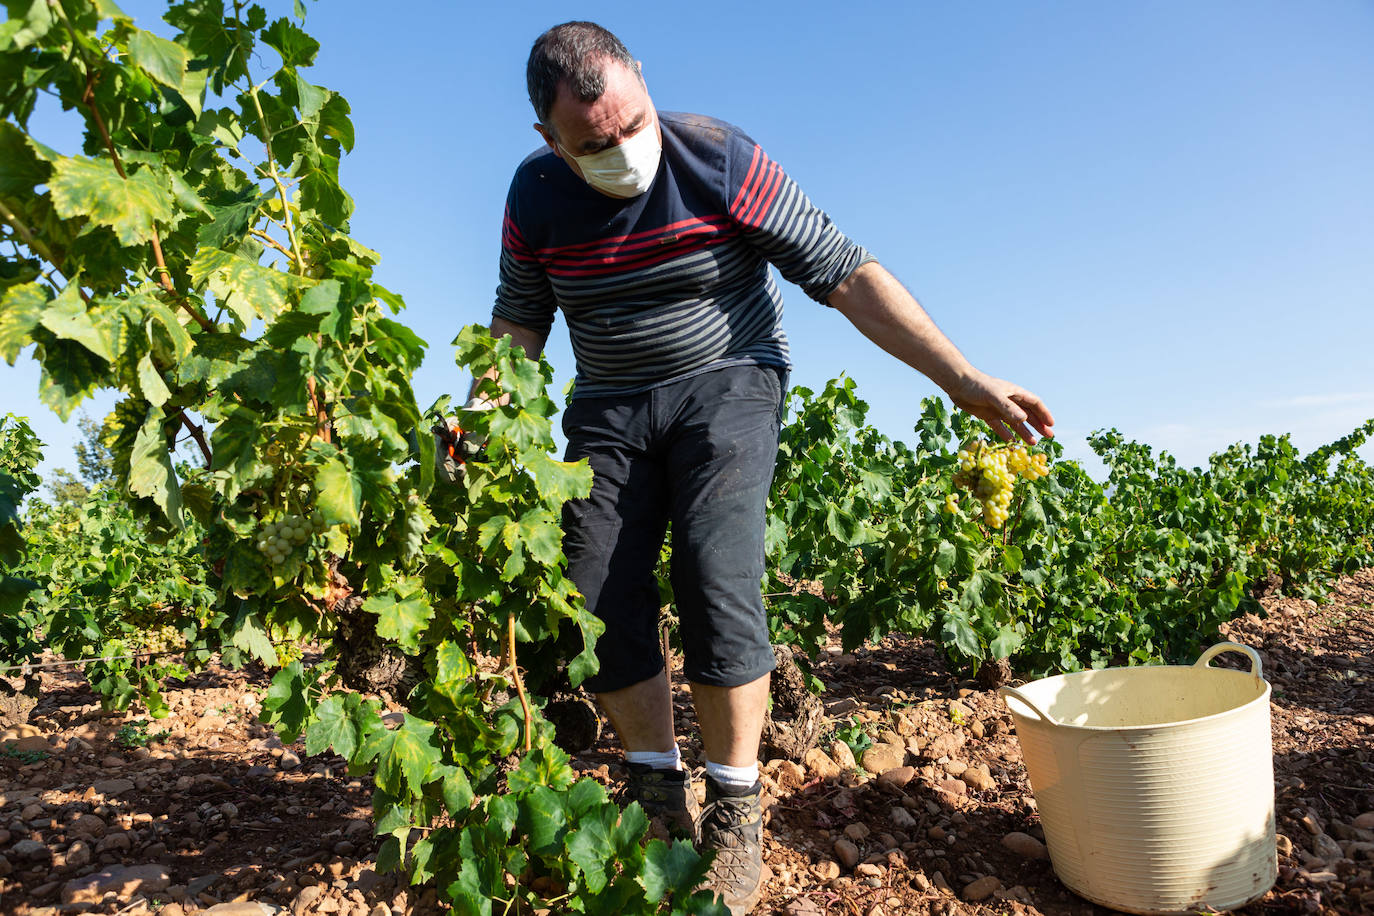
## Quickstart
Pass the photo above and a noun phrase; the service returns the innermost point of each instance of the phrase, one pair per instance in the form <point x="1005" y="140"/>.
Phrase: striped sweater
<point x="674" y="282"/>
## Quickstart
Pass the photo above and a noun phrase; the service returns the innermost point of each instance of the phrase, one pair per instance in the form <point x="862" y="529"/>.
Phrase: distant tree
<point x="65" y="487"/>
<point x="94" y="460"/>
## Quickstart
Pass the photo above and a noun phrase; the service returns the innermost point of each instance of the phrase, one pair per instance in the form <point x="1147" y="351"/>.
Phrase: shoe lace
<point x="723" y="826"/>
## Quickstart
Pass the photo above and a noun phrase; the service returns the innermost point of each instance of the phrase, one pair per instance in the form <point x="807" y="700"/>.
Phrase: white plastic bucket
<point x="1155" y="785"/>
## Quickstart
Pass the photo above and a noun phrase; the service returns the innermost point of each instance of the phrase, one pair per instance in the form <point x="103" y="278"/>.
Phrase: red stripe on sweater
<point x="625" y="265"/>
<point x="511" y="237"/>
<point x="676" y="242"/>
<point x="764" y="197"/>
<point x="614" y="243"/>
<point x="748" y="178"/>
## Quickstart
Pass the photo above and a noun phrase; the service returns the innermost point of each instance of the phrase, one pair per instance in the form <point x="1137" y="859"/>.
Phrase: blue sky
<point x="1159" y="217"/>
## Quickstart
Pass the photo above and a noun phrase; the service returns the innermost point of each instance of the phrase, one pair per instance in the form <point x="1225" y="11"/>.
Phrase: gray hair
<point x="574" y="53"/>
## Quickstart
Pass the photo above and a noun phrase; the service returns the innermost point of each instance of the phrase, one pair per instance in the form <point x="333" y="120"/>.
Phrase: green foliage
<point x="23" y="756"/>
<point x="135" y="734"/>
<point x="852" y="733"/>
<point x="20" y="454"/>
<point x="1143" y="569"/>
<point x="114" y="585"/>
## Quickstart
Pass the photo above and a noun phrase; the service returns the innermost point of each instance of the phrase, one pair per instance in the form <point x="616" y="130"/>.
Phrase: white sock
<point x="659" y="760"/>
<point x="733" y="777"/>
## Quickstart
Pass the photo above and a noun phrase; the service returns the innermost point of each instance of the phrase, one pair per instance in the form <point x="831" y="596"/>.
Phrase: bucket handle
<point x="1256" y="666"/>
<point x="1018" y="695"/>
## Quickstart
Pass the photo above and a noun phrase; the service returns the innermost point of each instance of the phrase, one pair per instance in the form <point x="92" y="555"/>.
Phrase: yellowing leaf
<point x="67" y="317"/>
<point x="406" y="757"/>
<point x="92" y="188"/>
<point x="21" y="308"/>
<point x="245" y="287"/>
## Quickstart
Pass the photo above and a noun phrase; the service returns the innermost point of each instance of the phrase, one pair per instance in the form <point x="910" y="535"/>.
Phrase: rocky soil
<point x="106" y="813"/>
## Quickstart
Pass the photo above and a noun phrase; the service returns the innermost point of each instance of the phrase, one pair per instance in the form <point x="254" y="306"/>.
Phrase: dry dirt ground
<point x="217" y="817"/>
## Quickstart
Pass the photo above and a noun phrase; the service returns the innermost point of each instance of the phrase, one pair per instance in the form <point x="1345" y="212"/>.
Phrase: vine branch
<point x="264" y="237"/>
<point x="519" y="683"/>
<point x="198" y="434"/>
<point x="322" y="424"/>
<point x="276" y="180"/>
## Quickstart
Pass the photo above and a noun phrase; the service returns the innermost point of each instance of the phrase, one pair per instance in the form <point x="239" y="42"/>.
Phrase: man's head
<point x="590" y="97"/>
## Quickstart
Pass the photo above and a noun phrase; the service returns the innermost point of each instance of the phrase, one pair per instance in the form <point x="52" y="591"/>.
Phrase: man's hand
<point x="1006" y="407"/>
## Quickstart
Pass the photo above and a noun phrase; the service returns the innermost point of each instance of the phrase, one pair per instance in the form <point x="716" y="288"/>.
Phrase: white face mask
<point x="626" y="170"/>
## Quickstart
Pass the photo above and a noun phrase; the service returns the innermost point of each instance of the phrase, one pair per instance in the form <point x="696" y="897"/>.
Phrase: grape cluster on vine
<point x="283" y="536"/>
<point x="990" y="473"/>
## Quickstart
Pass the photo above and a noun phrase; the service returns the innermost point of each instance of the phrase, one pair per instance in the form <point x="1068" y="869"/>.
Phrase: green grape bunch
<point x="990" y="472"/>
<point x="280" y="538"/>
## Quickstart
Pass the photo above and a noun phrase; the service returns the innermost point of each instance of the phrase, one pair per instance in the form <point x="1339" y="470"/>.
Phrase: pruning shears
<point x="452" y="451"/>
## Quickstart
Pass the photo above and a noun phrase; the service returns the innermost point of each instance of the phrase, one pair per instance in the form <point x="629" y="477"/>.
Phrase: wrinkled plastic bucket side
<point x="1159" y="819"/>
<point x="1194" y="822"/>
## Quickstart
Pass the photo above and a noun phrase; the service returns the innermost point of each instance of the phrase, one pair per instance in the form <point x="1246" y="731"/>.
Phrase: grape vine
<point x="196" y="258"/>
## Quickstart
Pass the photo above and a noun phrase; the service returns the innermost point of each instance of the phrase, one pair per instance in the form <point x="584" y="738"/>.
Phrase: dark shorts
<point x="699" y="453"/>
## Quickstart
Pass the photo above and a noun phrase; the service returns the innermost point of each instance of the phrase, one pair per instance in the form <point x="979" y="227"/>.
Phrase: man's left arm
<point x="882" y="309"/>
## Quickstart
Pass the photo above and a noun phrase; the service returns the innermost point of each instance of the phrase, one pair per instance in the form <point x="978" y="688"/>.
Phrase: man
<point x="653" y="233"/>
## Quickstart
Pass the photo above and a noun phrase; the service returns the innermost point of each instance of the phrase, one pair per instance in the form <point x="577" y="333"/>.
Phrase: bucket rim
<point x="1036" y="718"/>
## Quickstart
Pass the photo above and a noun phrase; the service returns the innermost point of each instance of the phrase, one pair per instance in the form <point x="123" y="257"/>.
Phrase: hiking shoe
<point x="665" y="795"/>
<point x="732" y="827"/>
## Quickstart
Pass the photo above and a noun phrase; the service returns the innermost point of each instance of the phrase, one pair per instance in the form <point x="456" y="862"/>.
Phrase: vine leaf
<point x="675" y="869"/>
<point x="287" y="703"/>
<point x="250" y="636"/>
<point x="297" y="49"/>
<point x="452" y="670"/>
<point x="340" y="493"/>
<point x="957" y="632"/>
<point x="325" y="299"/>
<point x="1005" y="644"/>
<point x="585" y="663"/>
<point x="108" y="9"/>
<point x="590" y="846"/>
<point x="524" y="430"/>
<point x="945" y="555"/>
<point x="405" y="757"/>
<point x="21" y="309"/>
<point x="66" y="316"/>
<point x="30" y="26"/>
<point x="165" y="61"/>
<point x="543" y="820"/>
<point x="469" y="893"/>
<point x="558" y="480"/>
<point x="150" y="382"/>
<point x="401" y="620"/>
<point x="20" y="168"/>
<point x="245" y="287"/>
<point x="92" y="188"/>
<point x="232" y="215"/>
<point x="457" y="792"/>
<point x="337" y="724"/>
<point x="151" y="473"/>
